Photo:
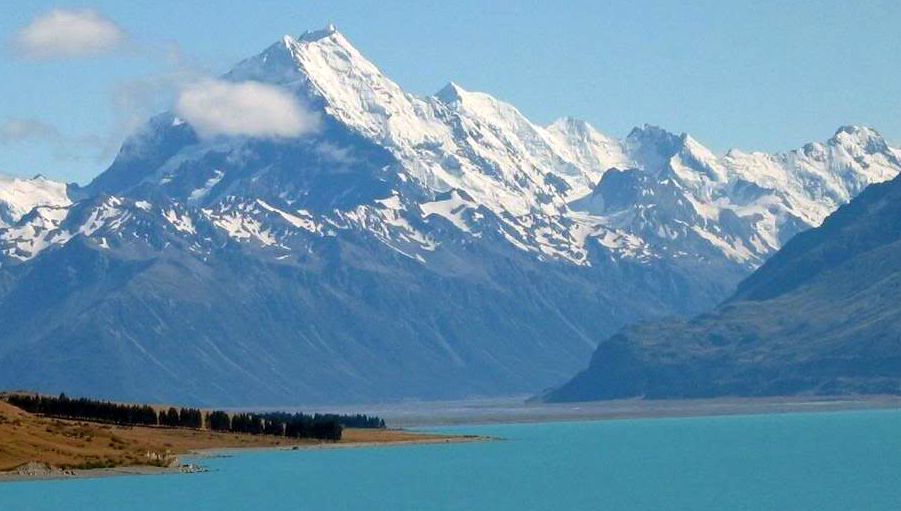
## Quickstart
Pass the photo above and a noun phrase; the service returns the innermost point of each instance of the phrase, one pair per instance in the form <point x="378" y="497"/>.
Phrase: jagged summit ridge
<point x="450" y="93"/>
<point x="315" y="35"/>
<point x="543" y="186"/>
<point x="571" y="154"/>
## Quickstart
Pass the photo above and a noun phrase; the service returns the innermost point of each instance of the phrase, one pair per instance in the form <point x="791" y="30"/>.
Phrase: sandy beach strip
<point x="354" y="438"/>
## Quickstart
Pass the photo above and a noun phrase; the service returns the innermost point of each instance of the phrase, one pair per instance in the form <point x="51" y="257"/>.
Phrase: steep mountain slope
<point x="821" y="316"/>
<point x="436" y="246"/>
<point x="349" y="319"/>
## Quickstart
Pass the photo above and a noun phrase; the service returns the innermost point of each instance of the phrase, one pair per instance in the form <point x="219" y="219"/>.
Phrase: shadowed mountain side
<point x="352" y="322"/>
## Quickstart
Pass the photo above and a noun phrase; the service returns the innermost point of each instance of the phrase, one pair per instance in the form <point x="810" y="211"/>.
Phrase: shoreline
<point x="516" y="410"/>
<point x="435" y="415"/>
<point x="55" y="474"/>
<point x="428" y="439"/>
<point x="42" y="472"/>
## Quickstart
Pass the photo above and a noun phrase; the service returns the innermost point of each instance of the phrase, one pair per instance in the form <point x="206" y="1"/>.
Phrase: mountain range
<point x="820" y="317"/>
<point x="410" y="247"/>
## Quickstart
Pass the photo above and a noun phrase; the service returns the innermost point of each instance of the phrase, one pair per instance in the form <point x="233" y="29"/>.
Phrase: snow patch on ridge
<point x="35" y="233"/>
<point x="200" y="193"/>
<point x="451" y="209"/>
<point x="181" y="222"/>
<point x="302" y="219"/>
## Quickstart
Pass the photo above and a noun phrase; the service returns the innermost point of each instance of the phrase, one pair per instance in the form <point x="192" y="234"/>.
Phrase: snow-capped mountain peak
<point x="450" y="93"/>
<point x="18" y="196"/>
<point x="316" y="35"/>
<point x="595" y="152"/>
<point x="356" y="92"/>
<point x="859" y="139"/>
<point x="549" y="190"/>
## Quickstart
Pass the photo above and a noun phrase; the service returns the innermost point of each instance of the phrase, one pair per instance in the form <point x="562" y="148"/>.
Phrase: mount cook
<point x="411" y="247"/>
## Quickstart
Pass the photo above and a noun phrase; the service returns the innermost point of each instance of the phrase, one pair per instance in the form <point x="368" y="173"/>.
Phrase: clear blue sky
<point x="763" y="75"/>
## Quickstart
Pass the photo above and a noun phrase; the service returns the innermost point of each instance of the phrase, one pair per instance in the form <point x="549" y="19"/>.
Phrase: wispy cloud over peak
<point x="69" y="33"/>
<point x="254" y="109"/>
<point x="20" y="130"/>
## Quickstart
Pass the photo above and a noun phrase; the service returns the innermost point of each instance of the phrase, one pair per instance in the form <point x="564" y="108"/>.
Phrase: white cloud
<point x="335" y="154"/>
<point x="64" y="33"/>
<point x="254" y="109"/>
<point x="20" y="130"/>
<point x="63" y="147"/>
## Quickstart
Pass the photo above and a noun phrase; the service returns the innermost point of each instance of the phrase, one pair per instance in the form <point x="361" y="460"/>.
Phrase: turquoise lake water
<point x="826" y="461"/>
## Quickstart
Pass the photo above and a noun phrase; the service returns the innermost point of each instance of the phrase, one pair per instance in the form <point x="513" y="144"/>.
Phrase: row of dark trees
<point x="354" y="421"/>
<point x="293" y="425"/>
<point x="86" y="409"/>
<point x="181" y="418"/>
